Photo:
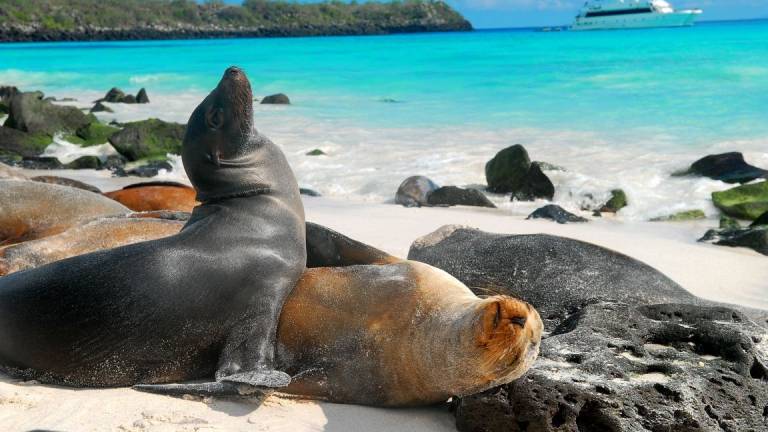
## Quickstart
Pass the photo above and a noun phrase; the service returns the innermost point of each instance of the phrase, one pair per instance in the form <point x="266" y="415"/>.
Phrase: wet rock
<point x="753" y="237"/>
<point x="114" y="162"/>
<point x="30" y="113"/>
<point x="85" y="162"/>
<point x="309" y="192"/>
<point x="95" y="133"/>
<point x="66" y="182"/>
<point x="452" y="195"/>
<point x="617" y="202"/>
<point x="100" y="107"/>
<point x="682" y="216"/>
<point x="760" y="221"/>
<point x="129" y="99"/>
<point x="727" y="222"/>
<point x="414" y="190"/>
<point x="535" y="185"/>
<point x="142" y="97"/>
<point x="148" y="138"/>
<point x="727" y="167"/>
<point x="511" y="171"/>
<point x="6" y="93"/>
<point x="315" y="152"/>
<point x="114" y="95"/>
<point x="743" y="202"/>
<point x="555" y="213"/>
<point x="22" y="144"/>
<point x="40" y="162"/>
<point x="276" y="99"/>
<point x="671" y="367"/>
<point x="507" y="170"/>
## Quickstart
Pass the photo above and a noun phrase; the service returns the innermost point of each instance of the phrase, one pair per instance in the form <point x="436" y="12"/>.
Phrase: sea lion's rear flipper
<point x="328" y="248"/>
<point x="217" y="388"/>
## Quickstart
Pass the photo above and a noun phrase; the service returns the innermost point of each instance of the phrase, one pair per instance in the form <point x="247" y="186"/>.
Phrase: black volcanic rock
<point x="100" y="107"/>
<point x="535" y="185"/>
<point x="727" y="167"/>
<point x="276" y="99"/>
<point x="453" y="195"/>
<point x="141" y="96"/>
<point x="30" y="113"/>
<point x="555" y="213"/>
<point x="414" y="190"/>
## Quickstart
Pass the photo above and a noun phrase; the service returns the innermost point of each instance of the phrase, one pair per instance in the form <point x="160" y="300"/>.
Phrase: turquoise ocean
<point x="616" y="109"/>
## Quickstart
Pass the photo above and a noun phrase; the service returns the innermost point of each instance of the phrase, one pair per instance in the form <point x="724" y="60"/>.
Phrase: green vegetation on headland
<point x="53" y="20"/>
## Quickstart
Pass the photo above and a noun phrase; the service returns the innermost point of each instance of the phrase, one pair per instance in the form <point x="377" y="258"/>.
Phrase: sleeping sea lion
<point x="155" y="196"/>
<point x="390" y="332"/>
<point x="30" y="210"/>
<point x="203" y="302"/>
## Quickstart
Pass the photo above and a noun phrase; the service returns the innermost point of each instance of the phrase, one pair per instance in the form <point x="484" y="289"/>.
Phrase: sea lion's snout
<point x="509" y="336"/>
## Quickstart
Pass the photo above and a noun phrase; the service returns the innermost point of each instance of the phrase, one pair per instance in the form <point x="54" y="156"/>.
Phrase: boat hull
<point x="637" y="21"/>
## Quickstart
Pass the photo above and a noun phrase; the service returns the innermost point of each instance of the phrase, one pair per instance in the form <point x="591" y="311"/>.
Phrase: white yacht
<point x="626" y="14"/>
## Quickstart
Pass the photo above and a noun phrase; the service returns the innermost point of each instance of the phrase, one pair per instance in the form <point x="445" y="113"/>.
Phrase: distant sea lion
<point x="183" y="307"/>
<point x="30" y="210"/>
<point x="392" y="333"/>
<point x="156" y="196"/>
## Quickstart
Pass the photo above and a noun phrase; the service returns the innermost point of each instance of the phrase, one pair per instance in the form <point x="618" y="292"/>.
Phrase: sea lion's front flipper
<point x="259" y="378"/>
<point x="328" y="248"/>
<point x="217" y="388"/>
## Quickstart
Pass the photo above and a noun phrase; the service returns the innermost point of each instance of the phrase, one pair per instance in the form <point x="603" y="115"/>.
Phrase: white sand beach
<point x="723" y="274"/>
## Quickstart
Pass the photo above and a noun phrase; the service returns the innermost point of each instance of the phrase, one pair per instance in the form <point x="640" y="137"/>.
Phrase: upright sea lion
<point x="178" y="308"/>
<point x="391" y="333"/>
<point x="30" y="210"/>
<point x="156" y="196"/>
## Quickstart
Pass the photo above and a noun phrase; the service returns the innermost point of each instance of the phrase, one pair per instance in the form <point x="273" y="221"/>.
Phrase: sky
<point x="535" y="13"/>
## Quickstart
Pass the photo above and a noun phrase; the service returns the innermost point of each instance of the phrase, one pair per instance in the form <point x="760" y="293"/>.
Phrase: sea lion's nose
<point x="233" y="71"/>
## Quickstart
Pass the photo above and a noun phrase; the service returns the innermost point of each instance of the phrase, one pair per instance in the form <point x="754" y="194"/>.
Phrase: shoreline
<point x="151" y="34"/>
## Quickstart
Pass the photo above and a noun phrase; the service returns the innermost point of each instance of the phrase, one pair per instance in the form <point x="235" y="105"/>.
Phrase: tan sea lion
<point x="30" y="210"/>
<point x="66" y="182"/>
<point x="392" y="333"/>
<point x="156" y="196"/>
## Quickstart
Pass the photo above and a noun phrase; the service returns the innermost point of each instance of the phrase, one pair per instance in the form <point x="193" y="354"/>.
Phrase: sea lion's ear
<point x="214" y="117"/>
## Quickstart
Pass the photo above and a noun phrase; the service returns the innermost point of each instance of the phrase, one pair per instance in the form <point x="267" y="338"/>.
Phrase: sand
<point x="718" y="273"/>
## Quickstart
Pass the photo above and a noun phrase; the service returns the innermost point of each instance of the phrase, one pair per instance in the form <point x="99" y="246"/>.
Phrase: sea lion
<point x="392" y="333"/>
<point x="95" y="235"/>
<point x="204" y="302"/>
<point x="155" y="196"/>
<point x="30" y="210"/>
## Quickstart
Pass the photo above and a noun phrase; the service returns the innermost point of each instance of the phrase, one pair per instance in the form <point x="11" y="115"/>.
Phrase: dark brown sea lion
<point x="30" y="210"/>
<point x="156" y="196"/>
<point x="390" y="333"/>
<point x="202" y="303"/>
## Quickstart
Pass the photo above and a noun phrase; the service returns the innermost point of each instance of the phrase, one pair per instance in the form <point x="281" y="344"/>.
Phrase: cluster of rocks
<point x="34" y="120"/>
<point x="115" y="95"/>
<point x="419" y="191"/>
<point x="625" y="347"/>
<point x="511" y="172"/>
<point x="748" y="202"/>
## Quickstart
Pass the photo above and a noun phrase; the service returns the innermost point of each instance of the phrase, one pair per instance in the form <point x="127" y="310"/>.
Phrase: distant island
<point x="89" y="20"/>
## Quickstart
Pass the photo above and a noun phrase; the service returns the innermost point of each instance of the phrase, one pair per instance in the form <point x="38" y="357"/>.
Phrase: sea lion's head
<point x="221" y="147"/>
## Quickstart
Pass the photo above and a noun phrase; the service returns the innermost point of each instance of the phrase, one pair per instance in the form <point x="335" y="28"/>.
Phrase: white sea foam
<point x="368" y="163"/>
<point x="66" y="152"/>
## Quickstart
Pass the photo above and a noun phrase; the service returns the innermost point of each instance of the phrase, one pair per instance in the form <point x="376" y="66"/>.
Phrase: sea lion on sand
<point x="391" y="333"/>
<point x="156" y="196"/>
<point x="30" y="210"/>
<point x="178" y="308"/>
